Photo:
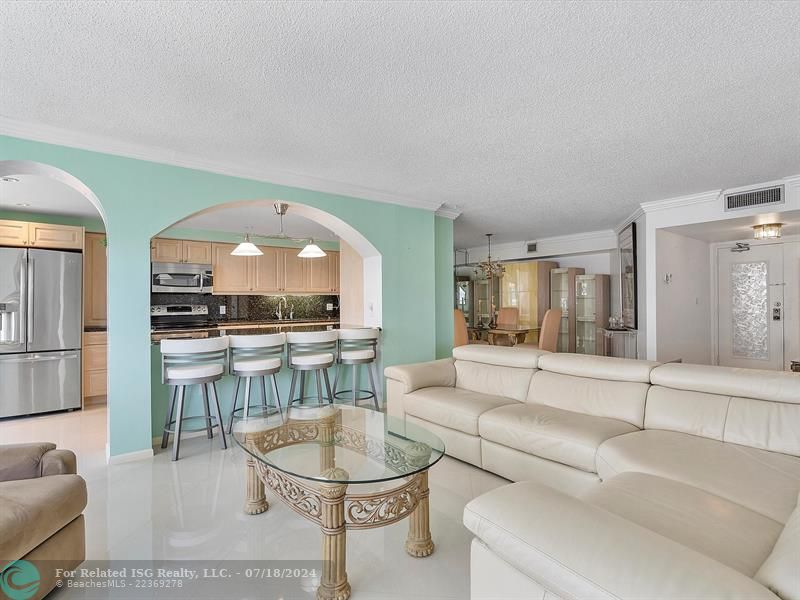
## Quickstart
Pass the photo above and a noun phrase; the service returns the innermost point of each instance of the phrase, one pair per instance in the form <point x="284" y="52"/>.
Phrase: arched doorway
<point x="60" y="213"/>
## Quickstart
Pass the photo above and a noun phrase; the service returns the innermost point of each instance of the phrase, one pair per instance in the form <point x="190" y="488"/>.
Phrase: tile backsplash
<point x="255" y="308"/>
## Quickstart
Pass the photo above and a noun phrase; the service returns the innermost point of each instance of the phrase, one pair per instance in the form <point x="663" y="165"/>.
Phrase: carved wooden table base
<point x="330" y="506"/>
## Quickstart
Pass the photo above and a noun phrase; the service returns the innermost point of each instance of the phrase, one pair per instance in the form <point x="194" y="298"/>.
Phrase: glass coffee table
<point x="341" y="467"/>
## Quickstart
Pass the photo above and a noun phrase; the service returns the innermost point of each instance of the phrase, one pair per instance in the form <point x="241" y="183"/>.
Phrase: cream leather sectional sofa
<point x="634" y="479"/>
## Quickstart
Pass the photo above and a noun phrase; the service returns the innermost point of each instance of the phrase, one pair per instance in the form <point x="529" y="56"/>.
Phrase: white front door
<point x="751" y="307"/>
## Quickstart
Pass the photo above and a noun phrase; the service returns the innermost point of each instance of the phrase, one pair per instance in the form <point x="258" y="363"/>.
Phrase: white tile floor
<point x="192" y="509"/>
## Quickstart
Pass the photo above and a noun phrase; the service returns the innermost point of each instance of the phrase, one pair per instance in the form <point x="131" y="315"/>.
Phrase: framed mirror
<point x="627" y="276"/>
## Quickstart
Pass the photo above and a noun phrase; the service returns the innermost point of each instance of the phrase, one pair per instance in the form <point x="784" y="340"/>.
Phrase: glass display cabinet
<point x="562" y="296"/>
<point x="591" y="311"/>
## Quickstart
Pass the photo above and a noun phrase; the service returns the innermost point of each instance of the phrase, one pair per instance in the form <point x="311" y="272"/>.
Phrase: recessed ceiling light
<point x="8" y="179"/>
<point x="23" y="204"/>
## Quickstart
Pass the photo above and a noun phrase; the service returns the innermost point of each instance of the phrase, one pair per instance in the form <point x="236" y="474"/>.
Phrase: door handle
<point x="30" y="299"/>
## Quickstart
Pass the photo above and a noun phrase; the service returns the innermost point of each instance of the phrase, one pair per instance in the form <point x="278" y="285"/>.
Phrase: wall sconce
<point x="770" y="231"/>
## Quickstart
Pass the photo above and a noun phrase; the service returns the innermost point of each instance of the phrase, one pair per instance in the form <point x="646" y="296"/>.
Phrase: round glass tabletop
<point x="338" y="443"/>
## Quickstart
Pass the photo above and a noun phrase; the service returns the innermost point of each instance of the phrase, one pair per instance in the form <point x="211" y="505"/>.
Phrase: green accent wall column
<point x="142" y="198"/>
<point x="445" y="283"/>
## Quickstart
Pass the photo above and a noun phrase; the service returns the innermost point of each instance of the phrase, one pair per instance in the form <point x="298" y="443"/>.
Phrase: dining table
<point x="502" y="335"/>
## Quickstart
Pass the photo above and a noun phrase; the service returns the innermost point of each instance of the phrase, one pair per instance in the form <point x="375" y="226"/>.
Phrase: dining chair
<point x="460" y="331"/>
<point x="508" y="317"/>
<point x="548" y="335"/>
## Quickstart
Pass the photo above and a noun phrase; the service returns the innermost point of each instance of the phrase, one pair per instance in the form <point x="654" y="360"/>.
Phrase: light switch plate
<point x="222" y="310"/>
<point x="329" y="306"/>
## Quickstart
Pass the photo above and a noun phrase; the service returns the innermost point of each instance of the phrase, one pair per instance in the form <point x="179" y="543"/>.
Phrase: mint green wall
<point x="444" y="286"/>
<point x="142" y="198"/>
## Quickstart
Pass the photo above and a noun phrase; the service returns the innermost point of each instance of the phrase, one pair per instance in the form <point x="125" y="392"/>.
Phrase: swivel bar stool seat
<point x="192" y="362"/>
<point x="311" y="351"/>
<point x="255" y="357"/>
<point x="358" y="347"/>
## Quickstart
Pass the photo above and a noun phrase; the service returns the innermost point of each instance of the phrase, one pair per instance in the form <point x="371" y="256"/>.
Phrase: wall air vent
<point x="763" y="197"/>
<point x="531" y="247"/>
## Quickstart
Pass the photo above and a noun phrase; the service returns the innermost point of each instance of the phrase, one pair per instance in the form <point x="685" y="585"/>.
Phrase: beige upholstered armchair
<point x="41" y="505"/>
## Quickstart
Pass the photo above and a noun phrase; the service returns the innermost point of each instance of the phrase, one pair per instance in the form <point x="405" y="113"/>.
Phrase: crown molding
<point x="679" y="201"/>
<point x="96" y="143"/>
<point x="630" y="219"/>
<point x="448" y="212"/>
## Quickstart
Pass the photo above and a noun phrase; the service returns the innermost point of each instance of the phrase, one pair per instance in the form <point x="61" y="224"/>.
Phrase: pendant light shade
<point x="246" y="248"/>
<point x="312" y="251"/>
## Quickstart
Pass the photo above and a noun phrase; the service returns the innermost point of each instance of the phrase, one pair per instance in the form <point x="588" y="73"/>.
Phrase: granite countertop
<point x="231" y="325"/>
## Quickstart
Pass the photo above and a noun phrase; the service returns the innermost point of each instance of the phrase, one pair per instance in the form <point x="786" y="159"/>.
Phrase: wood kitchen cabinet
<point x="232" y="274"/>
<point x="267" y="270"/>
<point x="180" y="251"/>
<point x="41" y="235"/>
<point x="95" y="364"/>
<point x="196" y="252"/>
<point x="319" y="274"/>
<point x="94" y="280"/>
<point x="65" y="237"/>
<point x="164" y="250"/>
<point x="278" y="270"/>
<point x="293" y="276"/>
<point x="333" y="257"/>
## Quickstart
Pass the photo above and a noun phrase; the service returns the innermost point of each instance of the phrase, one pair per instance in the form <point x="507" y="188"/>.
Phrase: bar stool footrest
<point x="211" y="420"/>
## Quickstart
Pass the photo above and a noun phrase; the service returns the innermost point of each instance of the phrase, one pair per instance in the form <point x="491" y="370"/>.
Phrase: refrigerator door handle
<point x="23" y="307"/>
<point x="29" y="291"/>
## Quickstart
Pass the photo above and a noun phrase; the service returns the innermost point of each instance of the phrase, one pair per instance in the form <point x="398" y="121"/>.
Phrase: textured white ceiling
<point x="536" y="119"/>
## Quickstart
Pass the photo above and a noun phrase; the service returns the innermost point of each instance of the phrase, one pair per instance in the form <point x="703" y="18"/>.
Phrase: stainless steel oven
<point x="181" y="278"/>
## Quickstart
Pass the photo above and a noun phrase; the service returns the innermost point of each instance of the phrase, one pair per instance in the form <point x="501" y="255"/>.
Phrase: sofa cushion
<point x="696" y="413"/>
<point x="452" y="407"/>
<point x="563" y="436"/>
<point x="781" y="571"/>
<point x="765" y="482"/>
<point x="622" y="400"/>
<point x="31" y="510"/>
<point x="576" y="550"/>
<point x="775" y="386"/>
<point x="512" y="382"/>
<point x="719" y="528"/>
<point x="520" y="357"/>
<point x="771" y="426"/>
<point x="607" y="368"/>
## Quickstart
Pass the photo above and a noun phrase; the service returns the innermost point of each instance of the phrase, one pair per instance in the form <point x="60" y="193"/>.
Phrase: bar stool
<point x="192" y="362"/>
<point x="255" y="356"/>
<point x="311" y="351"/>
<point x="358" y="347"/>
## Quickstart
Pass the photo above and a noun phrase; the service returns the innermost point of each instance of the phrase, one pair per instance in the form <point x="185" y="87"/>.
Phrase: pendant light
<point x="311" y="250"/>
<point x="246" y="248"/>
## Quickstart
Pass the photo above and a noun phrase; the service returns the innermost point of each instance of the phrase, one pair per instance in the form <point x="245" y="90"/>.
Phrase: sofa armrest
<point x="576" y="550"/>
<point x="28" y="461"/>
<point x="436" y="373"/>
<point x="59" y="462"/>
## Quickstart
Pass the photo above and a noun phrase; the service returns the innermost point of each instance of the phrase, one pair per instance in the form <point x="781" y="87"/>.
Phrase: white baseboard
<point x="128" y="456"/>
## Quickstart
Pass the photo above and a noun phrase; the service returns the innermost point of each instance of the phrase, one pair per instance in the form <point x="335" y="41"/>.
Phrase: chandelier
<point x="488" y="267"/>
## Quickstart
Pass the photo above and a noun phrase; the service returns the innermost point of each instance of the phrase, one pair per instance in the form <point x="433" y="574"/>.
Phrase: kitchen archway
<point x="67" y="366"/>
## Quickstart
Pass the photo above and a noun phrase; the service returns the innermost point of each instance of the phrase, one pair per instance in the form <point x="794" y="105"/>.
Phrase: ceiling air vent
<point x="531" y="247"/>
<point x="762" y="197"/>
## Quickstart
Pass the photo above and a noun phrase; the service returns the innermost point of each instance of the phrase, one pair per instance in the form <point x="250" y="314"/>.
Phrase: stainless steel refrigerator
<point x="40" y="330"/>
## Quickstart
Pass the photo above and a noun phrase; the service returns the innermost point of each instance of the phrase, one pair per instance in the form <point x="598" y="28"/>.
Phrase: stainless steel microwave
<point x="181" y="278"/>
